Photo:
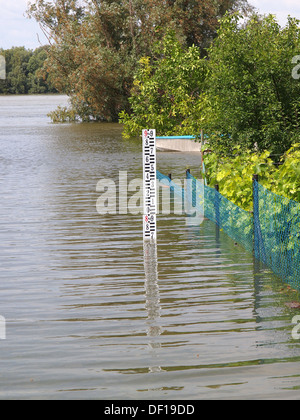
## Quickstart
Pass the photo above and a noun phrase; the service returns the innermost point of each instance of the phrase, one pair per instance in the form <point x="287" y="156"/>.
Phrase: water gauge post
<point x="149" y="184"/>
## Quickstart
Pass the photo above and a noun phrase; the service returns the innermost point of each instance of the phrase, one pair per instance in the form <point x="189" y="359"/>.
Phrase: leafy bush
<point x="167" y="92"/>
<point x="234" y="175"/>
<point x="287" y="178"/>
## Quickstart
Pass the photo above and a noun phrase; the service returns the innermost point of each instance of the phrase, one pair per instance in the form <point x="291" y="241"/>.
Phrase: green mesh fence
<point x="277" y="233"/>
<point x="236" y="222"/>
<point x="175" y="188"/>
<point x="271" y="231"/>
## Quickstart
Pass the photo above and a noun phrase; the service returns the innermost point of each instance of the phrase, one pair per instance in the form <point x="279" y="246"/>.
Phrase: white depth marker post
<point x="149" y="184"/>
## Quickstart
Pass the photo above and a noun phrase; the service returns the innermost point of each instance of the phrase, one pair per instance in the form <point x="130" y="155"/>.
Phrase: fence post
<point x="217" y="205"/>
<point x="255" y="215"/>
<point x="259" y="248"/>
<point x="171" y="190"/>
<point x="191" y="192"/>
<point x="187" y="201"/>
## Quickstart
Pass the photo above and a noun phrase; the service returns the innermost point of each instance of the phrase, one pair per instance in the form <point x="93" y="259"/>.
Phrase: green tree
<point x="16" y="74"/>
<point x="168" y="91"/>
<point x="199" y="20"/>
<point x="254" y="101"/>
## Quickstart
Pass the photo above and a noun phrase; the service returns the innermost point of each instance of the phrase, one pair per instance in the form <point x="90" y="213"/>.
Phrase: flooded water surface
<point x="91" y="312"/>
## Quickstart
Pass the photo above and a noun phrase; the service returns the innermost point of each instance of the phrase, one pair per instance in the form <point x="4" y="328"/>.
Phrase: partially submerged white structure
<point x="178" y="144"/>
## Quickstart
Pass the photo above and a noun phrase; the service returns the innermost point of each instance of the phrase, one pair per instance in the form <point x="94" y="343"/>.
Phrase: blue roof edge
<point x="176" y="137"/>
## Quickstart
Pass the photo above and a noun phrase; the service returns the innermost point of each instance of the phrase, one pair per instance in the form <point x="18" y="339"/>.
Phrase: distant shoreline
<point x="33" y="94"/>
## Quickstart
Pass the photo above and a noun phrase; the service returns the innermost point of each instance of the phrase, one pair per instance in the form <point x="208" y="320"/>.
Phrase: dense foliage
<point x="254" y="101"/>
<point x="234" y="174"/>
<point x="242" y="93"/>
<point x="167" y="91"/>
<point x="24" y="71"/>
<point x="95" y="45"/>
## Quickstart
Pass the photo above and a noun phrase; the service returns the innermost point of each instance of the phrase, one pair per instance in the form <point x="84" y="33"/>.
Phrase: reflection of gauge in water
<point x="149" y="184"/>
<point x="152" y="305"/>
